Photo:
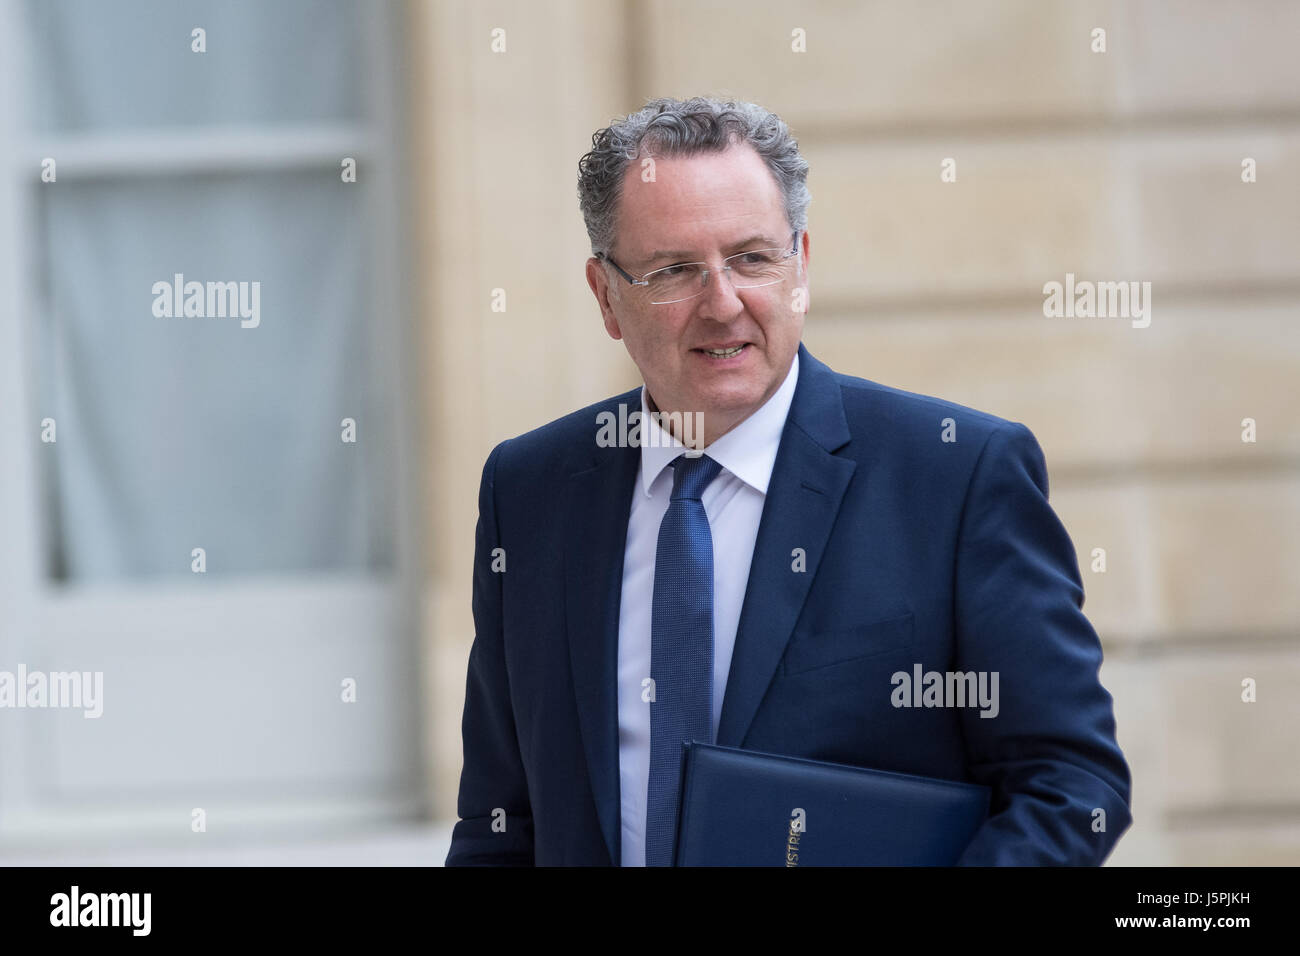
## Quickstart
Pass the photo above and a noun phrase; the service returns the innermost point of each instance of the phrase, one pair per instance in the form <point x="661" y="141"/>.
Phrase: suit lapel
<point x="599" y="501"/>
<point x="803" y="500"/>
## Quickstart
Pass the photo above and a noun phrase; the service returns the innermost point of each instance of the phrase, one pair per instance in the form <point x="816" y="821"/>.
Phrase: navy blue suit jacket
<point x="918" y="551"/>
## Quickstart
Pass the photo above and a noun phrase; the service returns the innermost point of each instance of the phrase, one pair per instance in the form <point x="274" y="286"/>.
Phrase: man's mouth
<point x="726" y="352"/>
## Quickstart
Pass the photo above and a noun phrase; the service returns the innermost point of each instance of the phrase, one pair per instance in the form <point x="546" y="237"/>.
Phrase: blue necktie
<point x="681" y="647"/>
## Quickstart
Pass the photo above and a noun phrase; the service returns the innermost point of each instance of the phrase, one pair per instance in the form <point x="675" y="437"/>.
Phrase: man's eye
<point x="673" y="271"/>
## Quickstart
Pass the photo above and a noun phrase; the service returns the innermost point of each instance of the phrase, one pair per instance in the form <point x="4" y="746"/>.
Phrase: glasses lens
<point x="758" y="268"/>
<point x="675" y="283"/>
<point x="748" y="270"/>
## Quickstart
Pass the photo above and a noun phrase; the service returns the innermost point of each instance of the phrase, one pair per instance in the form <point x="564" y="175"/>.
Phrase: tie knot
<point x="692" y="475"/>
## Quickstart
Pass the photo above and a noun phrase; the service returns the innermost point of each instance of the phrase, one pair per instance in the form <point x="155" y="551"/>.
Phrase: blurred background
<point x="296" y="687"/>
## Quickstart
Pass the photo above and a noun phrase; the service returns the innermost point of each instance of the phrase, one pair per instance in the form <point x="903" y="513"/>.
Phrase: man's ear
<point x="806" y="257"/>
<point x="599" y="282"/>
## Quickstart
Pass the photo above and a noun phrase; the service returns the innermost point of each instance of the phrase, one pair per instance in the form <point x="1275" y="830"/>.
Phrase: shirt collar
<point x="748" y="451"/>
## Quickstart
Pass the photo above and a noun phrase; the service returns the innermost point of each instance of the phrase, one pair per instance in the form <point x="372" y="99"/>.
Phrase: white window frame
<point x="372" y="619"/>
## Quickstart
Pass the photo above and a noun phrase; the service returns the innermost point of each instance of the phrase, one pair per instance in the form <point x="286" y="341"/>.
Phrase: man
<point x="835" y="538"/>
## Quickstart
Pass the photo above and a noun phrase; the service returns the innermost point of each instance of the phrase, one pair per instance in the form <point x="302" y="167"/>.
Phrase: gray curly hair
<point x="669" y="127"/>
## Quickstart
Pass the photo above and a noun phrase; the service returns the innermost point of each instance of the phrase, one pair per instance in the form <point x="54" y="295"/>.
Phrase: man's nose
<point x="719" y="293"/>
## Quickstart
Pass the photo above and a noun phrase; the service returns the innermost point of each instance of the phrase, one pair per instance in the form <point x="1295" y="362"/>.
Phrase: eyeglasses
<point x="686" y="280"/>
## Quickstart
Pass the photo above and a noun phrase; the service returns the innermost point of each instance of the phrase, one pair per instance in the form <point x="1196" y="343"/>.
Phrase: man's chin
<point x="723" y="405"/>
<point x="729" y="409"/>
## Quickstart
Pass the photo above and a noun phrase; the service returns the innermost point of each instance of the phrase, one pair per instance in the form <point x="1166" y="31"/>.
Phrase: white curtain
<point x="179" y="433"/>
<point x="119" y="64"/>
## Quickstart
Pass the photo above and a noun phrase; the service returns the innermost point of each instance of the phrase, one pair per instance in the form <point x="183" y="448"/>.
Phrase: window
<point x="211" y="495"/>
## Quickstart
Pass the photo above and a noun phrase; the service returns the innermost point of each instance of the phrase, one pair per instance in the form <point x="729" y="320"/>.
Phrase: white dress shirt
<point x="734" y="505"/>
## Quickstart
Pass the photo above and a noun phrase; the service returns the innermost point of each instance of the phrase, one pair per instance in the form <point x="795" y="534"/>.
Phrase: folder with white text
<point x="746" y="808"/>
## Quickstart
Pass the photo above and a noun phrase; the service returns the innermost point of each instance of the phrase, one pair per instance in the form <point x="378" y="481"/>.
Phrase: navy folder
<point x="740" y="808"/>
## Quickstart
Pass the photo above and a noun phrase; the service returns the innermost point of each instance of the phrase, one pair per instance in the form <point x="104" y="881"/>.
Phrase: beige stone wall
<point x="1116" y="166"/>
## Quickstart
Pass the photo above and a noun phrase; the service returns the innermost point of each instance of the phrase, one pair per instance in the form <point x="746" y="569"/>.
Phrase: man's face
<point x="703" y="208"/>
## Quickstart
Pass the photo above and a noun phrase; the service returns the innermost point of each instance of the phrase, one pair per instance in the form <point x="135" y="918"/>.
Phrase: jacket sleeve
<point x="493" y="787"/>
<point x="1060" y="785"/>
